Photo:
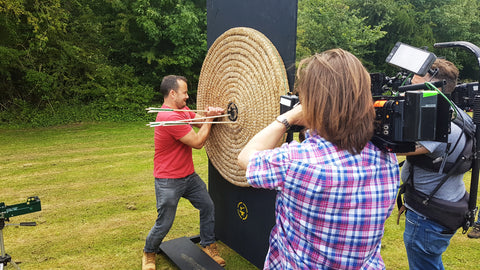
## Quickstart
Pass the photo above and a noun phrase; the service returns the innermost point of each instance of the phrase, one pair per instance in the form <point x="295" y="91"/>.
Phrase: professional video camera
<point x="404" y="114"/>
<point x="464" y="94"/>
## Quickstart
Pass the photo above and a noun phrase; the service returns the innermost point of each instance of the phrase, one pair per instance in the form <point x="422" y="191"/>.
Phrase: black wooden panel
<point x="247" y="232"/>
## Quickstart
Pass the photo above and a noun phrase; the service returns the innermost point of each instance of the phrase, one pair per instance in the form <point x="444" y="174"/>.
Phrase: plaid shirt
<point x="331" y="206"/>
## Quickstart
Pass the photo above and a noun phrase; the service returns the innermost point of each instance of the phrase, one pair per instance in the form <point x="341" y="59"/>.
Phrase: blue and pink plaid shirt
<point x="331" y="206"/>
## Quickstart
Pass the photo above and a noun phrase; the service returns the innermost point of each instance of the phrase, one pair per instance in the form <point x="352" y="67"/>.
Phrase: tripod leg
<point x="5" y="256"/>
<point x="7" y="259"/>
<point x="14" y="265"/>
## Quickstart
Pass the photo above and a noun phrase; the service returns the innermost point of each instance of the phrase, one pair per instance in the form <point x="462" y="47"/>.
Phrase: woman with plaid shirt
<point x="335" y="188"/>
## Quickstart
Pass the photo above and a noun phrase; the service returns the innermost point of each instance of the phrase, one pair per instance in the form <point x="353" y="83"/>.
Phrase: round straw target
<point x="243" y="71"/>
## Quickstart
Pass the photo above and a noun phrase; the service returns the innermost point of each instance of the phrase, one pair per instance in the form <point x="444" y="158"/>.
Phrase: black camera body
<point x="382" y="84"/>
<point x="464" y="94"/>
<point x="287" y="102"/>
<point x="416" y="116"/>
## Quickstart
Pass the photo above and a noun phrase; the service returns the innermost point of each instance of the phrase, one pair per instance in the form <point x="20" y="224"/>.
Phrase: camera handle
<point x="476" y="120"/>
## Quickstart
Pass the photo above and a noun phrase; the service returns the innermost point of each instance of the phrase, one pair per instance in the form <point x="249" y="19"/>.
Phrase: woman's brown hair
<point x="334" y="90"/>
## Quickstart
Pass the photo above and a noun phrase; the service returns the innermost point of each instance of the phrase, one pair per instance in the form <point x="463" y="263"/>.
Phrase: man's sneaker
<point x="212" y="251"/>
<point x="475" y="232"/>
<point x="148" y="261"/>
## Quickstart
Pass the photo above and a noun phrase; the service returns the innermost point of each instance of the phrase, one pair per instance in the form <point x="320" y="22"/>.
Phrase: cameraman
<point x="425" y="240"/>
<point x="335" y="189"/>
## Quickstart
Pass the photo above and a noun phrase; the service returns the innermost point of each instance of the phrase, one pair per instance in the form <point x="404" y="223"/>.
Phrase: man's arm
<point x="196" y="119"/>
<point x="211" y="111"/>
<point x="197" y="139"/>
<point x="419" y="150"/>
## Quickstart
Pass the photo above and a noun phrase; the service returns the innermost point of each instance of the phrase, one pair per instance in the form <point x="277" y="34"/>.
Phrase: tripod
<point x="5" y="258"/>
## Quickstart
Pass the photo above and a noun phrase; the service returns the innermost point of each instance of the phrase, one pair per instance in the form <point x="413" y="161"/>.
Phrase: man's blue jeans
<point x="425" y="242"/>
<point x="168" y="192"/>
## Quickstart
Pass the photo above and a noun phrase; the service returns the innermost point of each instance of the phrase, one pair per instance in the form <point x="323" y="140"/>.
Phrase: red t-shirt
<point x="173" y="159"/>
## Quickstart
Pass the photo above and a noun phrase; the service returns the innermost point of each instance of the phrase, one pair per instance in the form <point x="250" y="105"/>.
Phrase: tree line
<point x="64" y="61"/>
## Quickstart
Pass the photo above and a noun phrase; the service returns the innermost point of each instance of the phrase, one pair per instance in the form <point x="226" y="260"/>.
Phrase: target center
<point x="232" y="111"/>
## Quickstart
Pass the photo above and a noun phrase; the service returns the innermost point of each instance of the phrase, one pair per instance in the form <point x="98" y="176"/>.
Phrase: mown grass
<point x="95" y="184"/>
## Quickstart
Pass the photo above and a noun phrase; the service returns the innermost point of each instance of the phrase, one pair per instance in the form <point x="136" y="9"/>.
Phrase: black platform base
<point x="185" y="254"/>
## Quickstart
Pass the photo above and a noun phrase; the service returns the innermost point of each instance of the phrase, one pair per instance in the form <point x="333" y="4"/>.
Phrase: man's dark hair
<point x="445" y="70"/>
<point x="170" y="82"/>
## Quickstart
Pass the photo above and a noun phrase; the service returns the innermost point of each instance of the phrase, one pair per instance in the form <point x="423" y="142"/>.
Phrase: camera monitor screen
<point x="410" y="58"/>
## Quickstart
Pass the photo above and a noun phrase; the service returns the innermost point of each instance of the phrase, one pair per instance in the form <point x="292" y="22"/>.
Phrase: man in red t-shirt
<point x="174" y="173"/>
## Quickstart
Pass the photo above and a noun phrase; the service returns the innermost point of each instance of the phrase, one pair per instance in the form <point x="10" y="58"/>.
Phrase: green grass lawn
<point x="96" y="188"/>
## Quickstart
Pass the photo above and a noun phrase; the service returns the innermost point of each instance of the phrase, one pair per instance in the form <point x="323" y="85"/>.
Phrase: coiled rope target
<point x="244" y="73"/>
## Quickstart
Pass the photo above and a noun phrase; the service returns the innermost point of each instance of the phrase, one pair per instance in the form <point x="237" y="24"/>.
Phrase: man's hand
<point x="214" y="111"/>
<point x="197" y="140"/>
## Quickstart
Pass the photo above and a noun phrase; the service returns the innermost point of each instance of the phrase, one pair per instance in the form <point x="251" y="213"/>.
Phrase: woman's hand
<point x="269" y="136"/>
<point x="295" y="116"/>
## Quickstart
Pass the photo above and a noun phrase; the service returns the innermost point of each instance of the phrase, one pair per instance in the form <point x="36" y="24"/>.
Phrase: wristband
<point x="281" y="119"/>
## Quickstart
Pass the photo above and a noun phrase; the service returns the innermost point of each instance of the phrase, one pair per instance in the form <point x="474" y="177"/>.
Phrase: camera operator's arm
<point x="419" y="150"/>
<point x="269" y="136"/>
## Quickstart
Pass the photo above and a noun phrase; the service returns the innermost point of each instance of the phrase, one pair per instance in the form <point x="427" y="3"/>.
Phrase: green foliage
<point x="371" y="28"/>
<point x="112" y="94"/>
<point x="423" y="23"/>
<point x="107" y="56"/>
<point x="457" y="21"/>
<point x="324" y="25"/>
<point x="160" y="38"/>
